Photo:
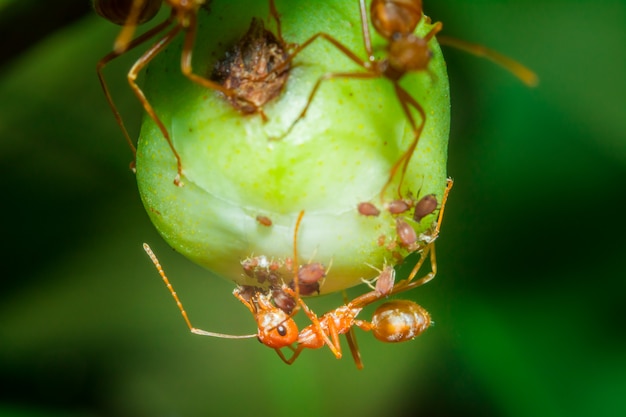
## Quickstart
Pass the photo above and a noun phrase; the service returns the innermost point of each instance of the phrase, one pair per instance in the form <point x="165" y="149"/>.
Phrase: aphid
<point x="183" y="18"/>
<point x="384" y="281"/>
<point x="425" y="206"/>
<point x="428" y="204"/>
<point x="398" y="206"/>
<point x="309" y="277"/>
<point x="264" y="220"/>
<point x="368" y="209"/>
<point x="406" y="234"/>
<point x="282" y="299"/>
<point x="396" y="21"/>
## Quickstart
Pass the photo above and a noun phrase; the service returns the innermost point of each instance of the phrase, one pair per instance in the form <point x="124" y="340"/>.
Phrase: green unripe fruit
<point x="240" y="174"/>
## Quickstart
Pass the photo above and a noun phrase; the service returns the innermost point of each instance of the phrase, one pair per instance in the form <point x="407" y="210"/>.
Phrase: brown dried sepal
<point x="248" y="69"/>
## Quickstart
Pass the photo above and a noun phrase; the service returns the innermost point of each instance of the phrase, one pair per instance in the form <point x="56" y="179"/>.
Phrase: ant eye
<point x="281" y="330"/>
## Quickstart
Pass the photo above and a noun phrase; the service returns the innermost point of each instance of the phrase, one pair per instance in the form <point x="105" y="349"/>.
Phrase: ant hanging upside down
<point x="393" y="321"/>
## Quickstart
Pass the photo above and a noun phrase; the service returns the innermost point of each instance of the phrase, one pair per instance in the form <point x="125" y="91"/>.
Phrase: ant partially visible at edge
<point x="393" y="321"/>
<point x="396" y="21"/>
<point x="183" y="18"/>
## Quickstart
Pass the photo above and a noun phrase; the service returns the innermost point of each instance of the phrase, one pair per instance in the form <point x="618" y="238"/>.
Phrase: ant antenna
<point x="295" y="264"/>
<point x="169" y="286"/>
<point x="520" y="71"/>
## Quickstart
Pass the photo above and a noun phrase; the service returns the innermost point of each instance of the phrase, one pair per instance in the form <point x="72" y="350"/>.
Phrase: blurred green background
<point x="528" y="303"/>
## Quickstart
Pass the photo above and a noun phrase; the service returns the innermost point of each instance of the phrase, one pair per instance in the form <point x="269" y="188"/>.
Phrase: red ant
<point x="183" y="18"/>
<point x="394" y="321"/>
<point x="396" y="21"/>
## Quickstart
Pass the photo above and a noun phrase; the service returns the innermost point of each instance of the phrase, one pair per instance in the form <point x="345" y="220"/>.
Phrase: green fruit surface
<point x="237" y="167"/>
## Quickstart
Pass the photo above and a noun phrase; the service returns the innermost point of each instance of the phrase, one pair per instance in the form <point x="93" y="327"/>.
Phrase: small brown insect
<point x="309" y="277"/>
<point x="425" y="206"/>
<point x="264" y="220"/>
<point x="398" y="207"/>
<point x="406" y="234"/>
<point x="384" y="281"/>
<point x="368" y="209"/>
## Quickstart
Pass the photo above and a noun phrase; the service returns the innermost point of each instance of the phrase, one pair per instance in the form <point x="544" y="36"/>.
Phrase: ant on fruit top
<point x="405" y="52"/>
<point x="183" y="18"/>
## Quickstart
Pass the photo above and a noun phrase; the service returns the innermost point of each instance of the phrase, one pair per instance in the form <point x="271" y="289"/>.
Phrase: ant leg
<point x="408" y="283"/>
<point x="296" y="353"/>
<point x="354" y="348"/>
<point x="333" y="341"/>
<point x="295" y="265"/>
<point x="325" y="77"/>
<point x="169" y="286"/>
<point x="274" y="13"/>
<point x="444" y="199"/>
<point x="110" y="57"/>
<point x="523" y="73"/>
<point x="132" y="77"/>
<point x="365" y="30"/>
<point x="123" y="39"/>
<point x="299" y="48"/>
<point x="406" y="101"/>
<point x="352" y="342"/>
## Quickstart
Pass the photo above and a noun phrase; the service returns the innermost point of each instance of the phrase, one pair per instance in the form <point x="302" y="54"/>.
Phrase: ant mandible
<point x="183" y="18"/>
<point x="406" y="52"/>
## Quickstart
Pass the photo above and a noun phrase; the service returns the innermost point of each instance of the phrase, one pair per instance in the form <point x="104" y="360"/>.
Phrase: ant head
<point x="395" y="16"/>
<point x="276" y="329"/>
<point x="409" y="53"/>
<point x="118" y="11"/>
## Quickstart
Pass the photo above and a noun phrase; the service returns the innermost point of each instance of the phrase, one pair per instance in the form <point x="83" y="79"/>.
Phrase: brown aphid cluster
<point x="269" y="274"/>
<point x="275" y="276"/>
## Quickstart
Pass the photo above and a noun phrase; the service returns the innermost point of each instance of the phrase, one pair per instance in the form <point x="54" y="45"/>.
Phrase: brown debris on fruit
<point x="248" y="69"/>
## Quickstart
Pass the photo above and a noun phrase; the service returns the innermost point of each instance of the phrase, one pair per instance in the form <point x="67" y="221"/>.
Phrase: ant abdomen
<point x="117" y="11"/>
<point x="399" y="321"/>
